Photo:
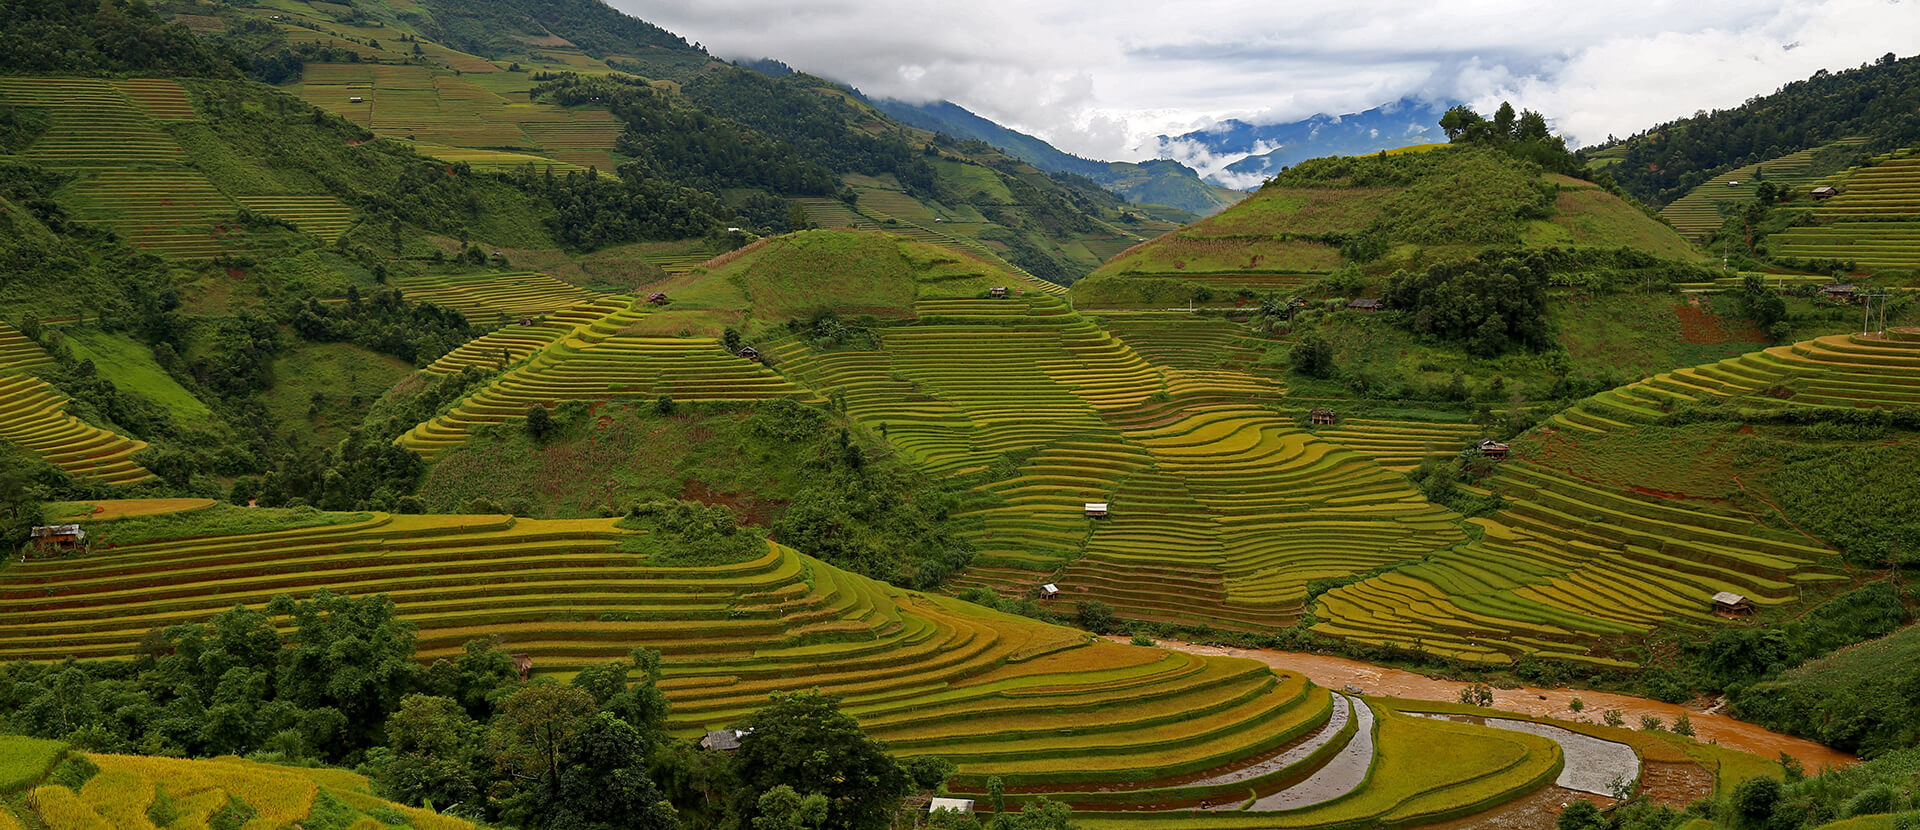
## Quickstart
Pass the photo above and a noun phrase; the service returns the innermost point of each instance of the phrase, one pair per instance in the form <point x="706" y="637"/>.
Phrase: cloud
<point x="1102" y="79"/>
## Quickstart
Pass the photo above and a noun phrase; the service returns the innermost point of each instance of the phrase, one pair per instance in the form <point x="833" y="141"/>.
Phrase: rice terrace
<point x="513" y="414"/>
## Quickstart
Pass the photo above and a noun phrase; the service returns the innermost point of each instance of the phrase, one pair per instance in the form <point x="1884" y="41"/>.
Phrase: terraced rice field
<point x="1223" y="510"/>
<point x="1184" y="341"/>
<point x="1699" y="212"/>
<point x="33" y="416"/>
<point x="1874" y="222"/>
<point x="1047" y="709"/>
<point x="160" y="97"/>
<point x="93" y="123"/>
<point x="126" y="786"/>
<point x="496" y="161"/>
<point x="322" y="216"/>
<point x="598" y="362"/>
<point x="1570" y="563"/>
<point x="1400" y="445"/>
<point x="17" y="352"/>
<point x="490" y="298"/>
<point x="175" y="211"/>
<point x="833" y="213"/>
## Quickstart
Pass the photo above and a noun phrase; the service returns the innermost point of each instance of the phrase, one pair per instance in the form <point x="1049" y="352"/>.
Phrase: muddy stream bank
<point x="1337" y="673"/>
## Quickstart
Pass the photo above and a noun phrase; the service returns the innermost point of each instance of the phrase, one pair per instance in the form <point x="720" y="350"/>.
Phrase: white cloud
<point x="1102" y="79"/>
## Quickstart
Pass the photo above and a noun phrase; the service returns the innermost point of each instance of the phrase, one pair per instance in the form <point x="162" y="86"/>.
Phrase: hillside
<point x="1873" y="222"/>
<point x="133" y="791"/>
<point x="1380" y="213"/>
<point x="1159" y="182"/>
<point x="1877" y="102"/>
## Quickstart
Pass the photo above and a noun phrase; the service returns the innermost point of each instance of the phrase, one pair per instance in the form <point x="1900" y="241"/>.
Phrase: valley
<point x="511" y="415"/>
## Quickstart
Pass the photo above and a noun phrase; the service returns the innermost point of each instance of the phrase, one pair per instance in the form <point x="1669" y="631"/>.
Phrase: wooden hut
<point x="998" y="292"/>
<point x="1321" y="416"/>
<point x="1730" y="604"/>
<point x="724" y="740"/>
<point x="56" y="539"/>
<point x="523" y="664"/>
<point x="1049" y="591"/>
<point x="657" y="298"/>
<point x="1366" y="304"/>
<point x="1096" y="510"/>
<point x="750" y="353"/>
<point x="1824" y="192"/>
<point x="954" y="805"/>
<point x="1838" y="290"/>
<point x="1492" y="449"/>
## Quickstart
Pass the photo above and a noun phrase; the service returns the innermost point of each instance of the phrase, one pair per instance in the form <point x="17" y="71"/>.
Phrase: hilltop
<point x="1380" y="213"/>
<point x="1663" y="163"/>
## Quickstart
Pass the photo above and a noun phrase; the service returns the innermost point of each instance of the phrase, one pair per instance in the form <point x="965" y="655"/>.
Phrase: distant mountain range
<point x="1158" y="182"/>
<point x="1230" y="156"/>
<point x="1262" y="149"/>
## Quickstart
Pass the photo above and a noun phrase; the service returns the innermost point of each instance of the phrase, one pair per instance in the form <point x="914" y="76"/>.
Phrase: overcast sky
<point x="1102" y="79"/>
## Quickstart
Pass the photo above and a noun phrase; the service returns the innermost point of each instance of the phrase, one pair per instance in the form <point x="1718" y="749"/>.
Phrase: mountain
<point x="1879" y="103"/>
<point x="1259" y="150"/>
<point x="1160" y="182"/>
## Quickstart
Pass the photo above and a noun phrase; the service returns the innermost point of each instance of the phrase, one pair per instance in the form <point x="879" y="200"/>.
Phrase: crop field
<point x="452" y="117"/>
<point x="599" y="361"/>
<point x="496" y="299"/>
<point x="17" y="352"/>
<point x="323" y="216"/>
<point x="1184" y="341"/>
<point x="1570" y="562"/>
<point x="1874" y="222"/>
<point x="132" y="175"/>
<point x="1400" y="445"/>
<point x="874" y="213"/>
<point x="33" y="416"/>
<point x="1699" y="212"/>
<point x="127" y="786"/>
<point x="1050" y="709"/>
<point x="1210" y="492"/>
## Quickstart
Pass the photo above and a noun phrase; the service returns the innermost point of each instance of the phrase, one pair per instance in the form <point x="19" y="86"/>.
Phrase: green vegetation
<point x="1662" y="163"/>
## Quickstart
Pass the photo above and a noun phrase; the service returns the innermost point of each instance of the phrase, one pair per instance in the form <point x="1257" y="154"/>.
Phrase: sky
<point x="1104" y="79"/>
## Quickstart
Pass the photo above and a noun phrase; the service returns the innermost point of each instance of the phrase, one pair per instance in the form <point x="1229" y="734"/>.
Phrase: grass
<point x="24" y="762"/>
<point x="328" y="388"/>
<point x="130" y="366"/>
<point x="218" y="520"/>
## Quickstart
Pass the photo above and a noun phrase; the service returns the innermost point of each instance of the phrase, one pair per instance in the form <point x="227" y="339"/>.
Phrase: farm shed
<point x="1096" y="510"/>
<point x="57" y="537"/>
<point x="1366" y="304"/>
<point x="1824" y="192"/>
<point x="1321" y="416"/>
<point x="723" y="740"/>
<point x="1492" y="449"/>
<point x="957" y="805"/>
<point x="355" y="99"/>
<point x="1732" y="604"/>
<point x="657" y="298"/>
<point x="1049" y="591"/>
<point x="998" y="292"/>
<point x="1838" y="290"/>
<point x="750" y="353"/>
<point x="523" y="663"/>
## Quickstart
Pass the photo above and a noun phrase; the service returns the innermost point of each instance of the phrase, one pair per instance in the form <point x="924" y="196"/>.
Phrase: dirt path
<point x="1337" y="672"/>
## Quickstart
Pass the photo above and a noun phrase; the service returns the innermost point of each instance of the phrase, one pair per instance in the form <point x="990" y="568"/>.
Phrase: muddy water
<point x="1337" y="672"/>
<point x="1340" y="776"/>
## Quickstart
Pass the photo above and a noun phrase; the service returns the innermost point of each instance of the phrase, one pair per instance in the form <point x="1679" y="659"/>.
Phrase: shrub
<point x="1095" y="616"/>
<point x="1313" y="356"/>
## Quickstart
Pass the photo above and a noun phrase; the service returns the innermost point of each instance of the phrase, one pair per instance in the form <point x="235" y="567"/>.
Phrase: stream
<point x="1338" y="672"/>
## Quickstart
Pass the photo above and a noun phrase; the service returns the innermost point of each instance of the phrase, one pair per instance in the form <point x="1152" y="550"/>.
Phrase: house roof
<point x="58" y="530"/>
<point x="1490" y="444"/>
<point x="1096" y="505"/>
<point x="1321" y="410"/>
<point x="724" y="739"/>
<point x="522" y="662"/>
<point x="1049" y="588"/>
<point x="1837" y="287"/>
<point x="1728" y="598"/>
<point x="958" y="805"/>
<point x="1364" y="302"/>
<point x="1825" y="188"/>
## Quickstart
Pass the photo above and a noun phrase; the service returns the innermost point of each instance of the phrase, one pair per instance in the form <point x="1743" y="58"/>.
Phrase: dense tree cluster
<point x="1881" y="101"/>
<point x="1495" y="302"/>
<point x="335" y="679"/>
<point x="387" y="323"/>
<point x="1525" y="136"/>
<point x="102" y="37"/>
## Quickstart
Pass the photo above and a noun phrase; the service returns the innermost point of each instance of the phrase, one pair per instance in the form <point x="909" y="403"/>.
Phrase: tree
<point x="539" y="422"/>
<point x="1613" y="718"/>
<point x="530" y="735"/>
<point x="663" y="405"/>
<point x="1313" y="356"/>
<point x="804" y="741"/>
<point x="1683" y="725"/>
<point x="604" y="783"/>
<point x="1576" y="705"/>
<point x="430" y="753"/>
<point x="1477" y="694"/>
<point x="1095" y="616"/>
<point x="782" y="808"/>
<point x="1581" y="815"/>
<point x="1754" y="802"/>
<point x="997" y="794"/>
<point x="354" y="656"/>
